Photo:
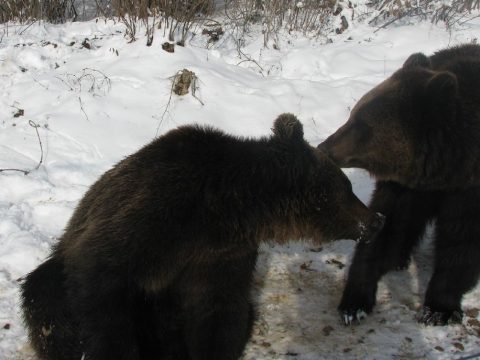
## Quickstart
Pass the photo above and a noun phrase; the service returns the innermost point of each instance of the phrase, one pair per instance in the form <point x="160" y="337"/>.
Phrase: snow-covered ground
<point x="93" y="106"/>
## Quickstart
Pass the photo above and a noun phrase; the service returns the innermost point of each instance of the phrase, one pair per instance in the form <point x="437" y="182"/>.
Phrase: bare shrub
<point x="450" y="12"/>
<point x="174" y="16"/>
<point x="88" y="80"/>
<point x="129" y="11"/>
<point x="179" y="16"/>
<point x="54" y="11"/>
<point x="308" y="16"/>
<point x="456" y="12"/>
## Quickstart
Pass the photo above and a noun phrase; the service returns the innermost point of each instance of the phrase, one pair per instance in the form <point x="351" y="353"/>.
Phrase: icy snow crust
<point x="95" y="106"/>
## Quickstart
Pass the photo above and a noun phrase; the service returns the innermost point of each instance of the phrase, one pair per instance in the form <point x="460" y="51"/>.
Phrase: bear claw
<point x="402" y="267"/>
<point x="430" y="317"/>
<point x="349" y="317"/>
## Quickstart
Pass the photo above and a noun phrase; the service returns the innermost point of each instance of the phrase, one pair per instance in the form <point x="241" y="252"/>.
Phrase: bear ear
<point x="442" y="87"/>
<point x="288" y="127"/>
<point x="417" y="60"/>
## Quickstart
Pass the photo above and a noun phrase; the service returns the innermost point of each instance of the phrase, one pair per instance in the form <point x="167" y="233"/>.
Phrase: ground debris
<point x="335" y="262"/>
<point x="214" y="34"/>
<point x="168" y="47"/>
<point x="183" y="81"/>
<point x="327" y="330"/>
<point x="20" y="112"/>
<point x="86" y="44"/>
<point x="306" y="266"/>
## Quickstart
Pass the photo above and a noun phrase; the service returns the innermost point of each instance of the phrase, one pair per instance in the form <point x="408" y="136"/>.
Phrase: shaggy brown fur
<point x="418" y="134"/>
<point x="157" y="260"/>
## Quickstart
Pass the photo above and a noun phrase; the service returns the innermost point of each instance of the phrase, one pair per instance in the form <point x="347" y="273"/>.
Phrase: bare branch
<point x="40" y="162"/>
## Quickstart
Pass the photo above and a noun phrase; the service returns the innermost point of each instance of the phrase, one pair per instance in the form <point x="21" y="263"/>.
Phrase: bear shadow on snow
<point x="157" y="259"/>
<point x="418" y="134"/>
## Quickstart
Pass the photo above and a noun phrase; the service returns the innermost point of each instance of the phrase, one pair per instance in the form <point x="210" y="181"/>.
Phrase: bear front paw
<point x="431" y="317"/>
<point x="352" y="316"/>
<point x="402" y="262"/>
<point x="355" y="305"/>
<point x="403" y="265"/>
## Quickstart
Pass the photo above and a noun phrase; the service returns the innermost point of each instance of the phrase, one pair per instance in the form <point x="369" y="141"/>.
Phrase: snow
<point x="95" y="106"/>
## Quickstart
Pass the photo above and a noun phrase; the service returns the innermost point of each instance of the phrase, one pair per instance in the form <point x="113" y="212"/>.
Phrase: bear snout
<point x="336" y="152"/>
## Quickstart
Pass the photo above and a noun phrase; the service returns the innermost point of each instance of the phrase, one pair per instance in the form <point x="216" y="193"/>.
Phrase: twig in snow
<point x="83" y="110"/>
<point x="40" y="162"/>
<point x="166" y="108"/>
<point x="182" y="81"/>
<point x="21" y="32"/>
<point x="194" y="90"/>
<point x="63" y="81"/>
<point x="36" y="126"/>
<point x="249" y="59"/>
<point x="388" y="23"/>
<point x="39" y="83"/>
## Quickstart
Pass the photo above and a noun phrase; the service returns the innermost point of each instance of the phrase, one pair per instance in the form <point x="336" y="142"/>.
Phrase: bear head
<point x="397" y="130"/>
<point x="333" y="208"/>
<point x="324" y="204"/>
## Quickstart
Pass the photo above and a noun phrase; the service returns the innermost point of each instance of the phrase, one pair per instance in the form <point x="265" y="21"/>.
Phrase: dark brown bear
<point x="157" y="260"/>
<point x="418" y="134"/>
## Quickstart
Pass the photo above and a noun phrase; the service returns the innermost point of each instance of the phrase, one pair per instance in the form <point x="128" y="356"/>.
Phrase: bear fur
<point x="418" y="134"/>
<point x="157" y="259"/>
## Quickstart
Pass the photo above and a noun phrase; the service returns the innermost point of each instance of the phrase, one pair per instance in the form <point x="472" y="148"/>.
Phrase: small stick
<point x="26" y="172"/>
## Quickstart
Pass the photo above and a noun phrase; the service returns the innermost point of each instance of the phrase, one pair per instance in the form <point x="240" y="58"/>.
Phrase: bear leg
<point x="52" y="331"/>
<point x="219" y="323"/>
<point x="108" y="329"/>
<point x="222" y="334"/>
<point x="457" y="250"/>
<point x="407" y="214"/>
<point x="158" y="331"/>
